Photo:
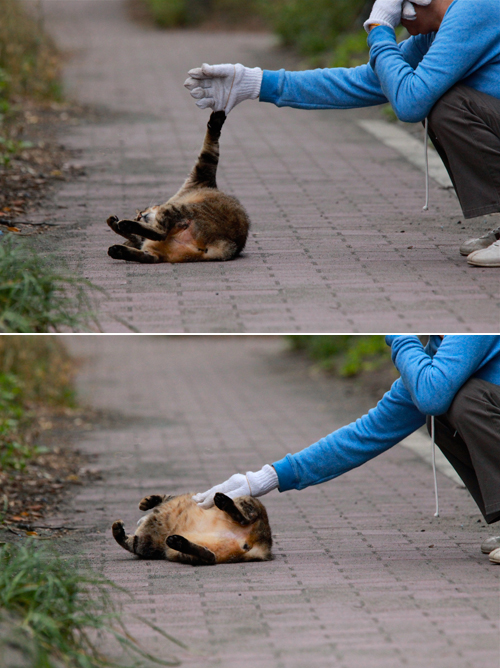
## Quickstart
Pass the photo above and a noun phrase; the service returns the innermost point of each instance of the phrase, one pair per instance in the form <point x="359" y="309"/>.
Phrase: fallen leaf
<point x="31" y="533"/>
<point x="13" y="229"/>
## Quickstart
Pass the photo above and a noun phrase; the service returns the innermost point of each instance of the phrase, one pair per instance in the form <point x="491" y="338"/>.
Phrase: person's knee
<point x="465" y="398"/>
<point x="446" y="109"/>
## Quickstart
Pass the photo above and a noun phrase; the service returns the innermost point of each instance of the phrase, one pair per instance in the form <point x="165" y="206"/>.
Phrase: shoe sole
<point x="478" y="264"/>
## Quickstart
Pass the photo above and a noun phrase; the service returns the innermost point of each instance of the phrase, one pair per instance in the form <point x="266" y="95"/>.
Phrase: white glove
<point x="384" y="13"/>
<point x="222" y="87"/>
<point x="409" y="12"/>
<point x="251" y="484"/>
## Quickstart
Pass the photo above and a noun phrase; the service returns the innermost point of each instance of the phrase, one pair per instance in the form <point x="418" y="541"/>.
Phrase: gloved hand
<point x="409" y="12"/>
<point x="222" y="87"/>
<point x="389" y="12"/>
<point x="251" y="484"/>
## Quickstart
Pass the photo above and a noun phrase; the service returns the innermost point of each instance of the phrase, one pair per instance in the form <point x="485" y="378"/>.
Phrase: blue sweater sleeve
<point x="464" y="43"/>
<point x="432" y="380"/>
<point x="394" y="418"/>
<point x="336" y="88"/>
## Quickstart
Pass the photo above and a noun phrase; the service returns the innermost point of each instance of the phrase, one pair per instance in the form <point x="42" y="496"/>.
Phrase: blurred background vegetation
<point x="345" y="355"/>
<point x="29" y="69"/>
<point x="35" y="372"/>
<point x="326" y="32"/>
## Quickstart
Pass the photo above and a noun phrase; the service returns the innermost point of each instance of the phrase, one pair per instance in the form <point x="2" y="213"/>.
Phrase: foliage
<point x="28" y="57"/>
<point x="313" y="27"/>
<point x="176" y="13"/>
<point x="42" y="368"/>
<point x="10" y="147"/>
<point x="344" y="354"/>
<point x="35" y="298"/>
<point x="62" y="606"/>
<point x="33" y="370"/>
<point x="29" y="68"/>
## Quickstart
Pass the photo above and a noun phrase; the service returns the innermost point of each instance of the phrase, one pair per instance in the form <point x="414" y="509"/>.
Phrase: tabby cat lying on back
<point x="179" y="530"/>
<point x="198" y="223"/>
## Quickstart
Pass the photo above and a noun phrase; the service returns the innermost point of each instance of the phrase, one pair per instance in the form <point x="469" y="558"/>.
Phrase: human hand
<point x="389" y="12"/>
<point x="222" y="87"/>
<point x="384" y="13"/>
<point x="409" y="12"/>
<point x="251" y="484"/>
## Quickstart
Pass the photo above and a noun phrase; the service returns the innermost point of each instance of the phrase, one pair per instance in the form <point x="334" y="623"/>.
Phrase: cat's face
<point x="148" y="215"/>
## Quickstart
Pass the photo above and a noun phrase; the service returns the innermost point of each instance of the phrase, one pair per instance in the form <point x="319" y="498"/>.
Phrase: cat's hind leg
<point x="136" y="228"/>
<point x="127" y="542"/>
<point x="134" y="239"/>
<point x="121" y="252"/>
<point x="152" y="501"/>
<point x="244" y="513"/>
<point x="200" y="554"/>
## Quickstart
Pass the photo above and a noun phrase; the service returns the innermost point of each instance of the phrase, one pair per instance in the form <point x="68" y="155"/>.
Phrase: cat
<point x="179" y="530"/>
<point x="198" y="223"/>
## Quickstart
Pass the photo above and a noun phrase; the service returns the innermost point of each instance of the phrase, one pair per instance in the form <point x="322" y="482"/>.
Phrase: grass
<point x="34" y="371"/>
<point x="344" y="354"/>
<point x="29" y="69"/>
<point x="29" y="60"/>
<point x="34" y="298"/>
<point x="58" y="610"/>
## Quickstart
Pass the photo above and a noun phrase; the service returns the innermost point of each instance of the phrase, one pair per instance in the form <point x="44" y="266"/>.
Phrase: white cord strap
<point x="426" y="161"/>
<point x="436" y="514"/>
<point x="230" y="90"/>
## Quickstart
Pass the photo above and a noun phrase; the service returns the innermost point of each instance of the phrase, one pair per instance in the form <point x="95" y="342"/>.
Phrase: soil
<point x="34" y="493"/>
<point x="34" y="172"/>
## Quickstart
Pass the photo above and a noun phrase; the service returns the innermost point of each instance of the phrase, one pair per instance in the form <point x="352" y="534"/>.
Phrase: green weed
<point x="344" y="354"/>
<point x="29" y="63"/>
<point x="35" y="370"/>
<point x="62" y="608"/>
<point x="35" y="298"/>
<point x="10" y="147"/>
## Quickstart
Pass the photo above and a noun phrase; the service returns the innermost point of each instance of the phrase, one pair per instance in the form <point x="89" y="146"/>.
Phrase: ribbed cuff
<point x="252" y="81"/>
<point x="262" y="481"/>
<point x="377" y="23"/>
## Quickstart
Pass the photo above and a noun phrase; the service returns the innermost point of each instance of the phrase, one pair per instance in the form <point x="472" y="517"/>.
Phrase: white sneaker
<point x="490" y="544"/>
<point x="487" y="257"/>
<point x="486" y="240"/>
<point x="495" y="556"/>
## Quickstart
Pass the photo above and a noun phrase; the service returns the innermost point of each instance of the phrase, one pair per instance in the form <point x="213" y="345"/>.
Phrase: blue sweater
<point x="430" y="379"/>
<point x="412" y="75"/>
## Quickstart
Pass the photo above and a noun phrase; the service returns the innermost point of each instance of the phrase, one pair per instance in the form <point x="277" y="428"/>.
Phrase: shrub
<point x="313" y="27"/>
<point x="344" y="354"/>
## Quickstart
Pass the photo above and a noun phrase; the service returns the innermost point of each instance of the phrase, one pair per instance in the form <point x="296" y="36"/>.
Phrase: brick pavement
<point x="339" y="242"/>
<point x="363" y="575"/>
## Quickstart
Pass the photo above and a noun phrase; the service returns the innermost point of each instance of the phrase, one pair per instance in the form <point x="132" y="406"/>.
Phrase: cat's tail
<point x="204" y="172"/>
<point x="127" y="542"/>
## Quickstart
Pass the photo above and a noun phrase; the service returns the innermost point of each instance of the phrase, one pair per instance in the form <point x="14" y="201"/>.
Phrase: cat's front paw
<point x="127" y="227"/>
<point x="111" y="220"/>
<point x="118" y="529"/>
<point x="117" y="252"/>
<point x="150" y="502"/>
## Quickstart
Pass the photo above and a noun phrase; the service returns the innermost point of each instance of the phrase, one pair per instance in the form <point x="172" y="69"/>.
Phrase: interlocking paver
<point x="363" y="574"/>
<point x="328" y="202"/>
